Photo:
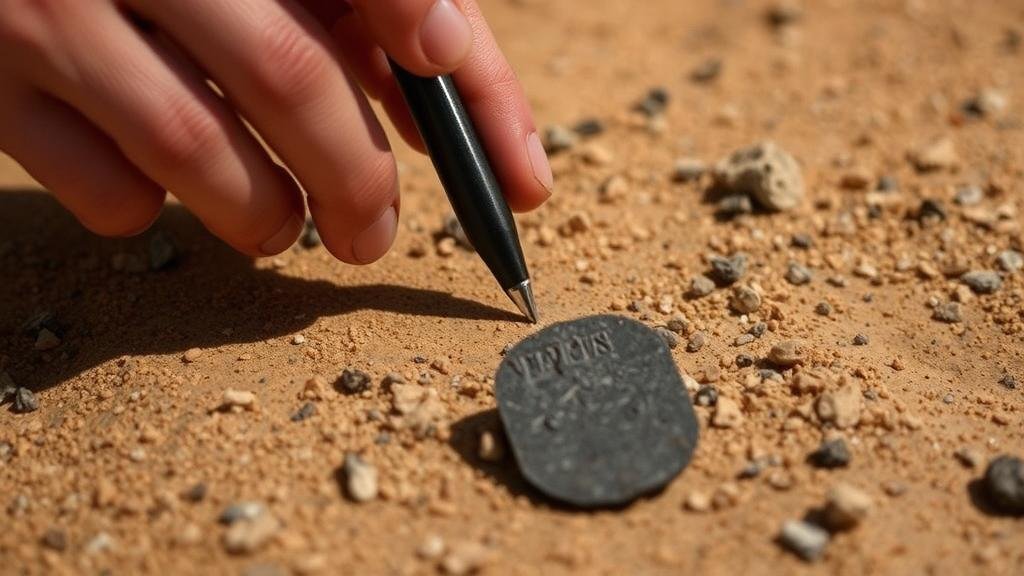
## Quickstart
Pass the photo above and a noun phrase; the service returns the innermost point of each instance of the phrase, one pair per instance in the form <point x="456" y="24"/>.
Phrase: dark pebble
<point x="887" y="184"/>
<point x="196" y="493"/>
<point x="589" y="127"/>
<point x="308" y="410"/>
<point x="353" y="382"/>
<point x="802" y="240"/>
<point x="654" y="103"/>
<point x="750" y="470"/>
<point x="726" y="271"/>
<point x="163" y="252"/>
<point x="758" y="330"/>
<point x="707" y="70"/>
<point x="55" y="539"/>
<point x="831" y="454"/>
<point x="310" y="235"/>
<point x="744" y="360"/>
<point x="1008" y="382"/>
<point x="25" y="401"/>
<point x="861" y="340"/>
<point x="931" y="209"/>
<point x="382" y="439"/>
<point x="823" y="309"/>
<point x="769" y="374"/>
<point x="707" y="395"/>
<point x="1004" y="482"/>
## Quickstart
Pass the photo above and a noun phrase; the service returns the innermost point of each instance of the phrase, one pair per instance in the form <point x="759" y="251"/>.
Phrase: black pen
<point x="466" y="175"/>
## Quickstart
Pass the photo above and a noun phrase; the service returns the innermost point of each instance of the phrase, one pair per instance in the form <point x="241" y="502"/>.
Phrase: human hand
<point x="107" y="104"/>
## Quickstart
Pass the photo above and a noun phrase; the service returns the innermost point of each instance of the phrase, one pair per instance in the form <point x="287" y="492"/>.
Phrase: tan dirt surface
<point x="101" y="478"/>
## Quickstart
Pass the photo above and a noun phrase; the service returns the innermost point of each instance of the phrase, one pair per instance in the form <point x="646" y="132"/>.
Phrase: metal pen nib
<point x="522" y="295"/>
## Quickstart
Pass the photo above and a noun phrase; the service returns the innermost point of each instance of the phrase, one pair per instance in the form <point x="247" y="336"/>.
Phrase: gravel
<point x="558" y="139"/>
<point x="353" y="381"/>
<point x="982" y="281"/>
<point x="305" y="412"/>
<point x="654" y="102"/>
<point x="861" y="340"/>
<point x="831" y="454"/>
<point x="786" y="354"/>
<point x="696" y="342"/>
<point x="310" y="235"/>
<point x="804" y="539"/>
<point x="733" y="205"/>
<point x="745" y="300"/>
<point x="727" y="271"/>
<point x="707" y="395"/>
<point x="25" y="401"/>
<point x="670" y="338"/>
<point x="846" y="506"/>
<point x="948" y="312"/>
<point x="1004" y="482"/>
<point x="701" y="286"/>
<point x="589" y="127"/>
<point x="1010" y="261"/>
<point x="823" y="309"/>
<point x="969" y="195"/>
<point x="797" y="274"/>
<point x="765" y="172"/>
<point x="931" y="209"/>
<point x="744" y="360"/>
<point x="688" y="170"/>
<point x="360" y="478"/>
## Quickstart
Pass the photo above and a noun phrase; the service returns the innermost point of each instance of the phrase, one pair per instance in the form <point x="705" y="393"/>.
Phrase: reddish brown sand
<point x="125" y="424"/>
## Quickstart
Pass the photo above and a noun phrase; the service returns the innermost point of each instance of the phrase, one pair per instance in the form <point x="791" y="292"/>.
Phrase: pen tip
<point x="522" y="295"/>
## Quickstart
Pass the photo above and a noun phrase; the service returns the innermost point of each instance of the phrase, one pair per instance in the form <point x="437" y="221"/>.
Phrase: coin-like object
<point x="595" y="411"/>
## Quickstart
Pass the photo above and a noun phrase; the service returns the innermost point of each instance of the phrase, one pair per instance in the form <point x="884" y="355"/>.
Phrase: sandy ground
<point x="101" y="478"/>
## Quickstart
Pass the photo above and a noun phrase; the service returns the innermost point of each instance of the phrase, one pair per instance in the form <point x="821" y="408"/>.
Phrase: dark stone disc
<point x="595" y="411"/>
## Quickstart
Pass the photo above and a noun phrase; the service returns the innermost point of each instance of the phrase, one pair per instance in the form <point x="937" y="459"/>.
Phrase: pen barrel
<point x="465" y="173"/>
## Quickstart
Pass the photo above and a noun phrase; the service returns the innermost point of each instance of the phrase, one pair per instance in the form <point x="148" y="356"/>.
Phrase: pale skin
<point x="110" y="106"/>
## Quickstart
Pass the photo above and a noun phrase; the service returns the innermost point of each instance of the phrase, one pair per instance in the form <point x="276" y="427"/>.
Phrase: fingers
<point x="427" y="37"/>
<point x="79" y="164"/>
<point x="490" y="90"/>
<point x="501" y="114"/>
<point x="169" y="124"/>
<point x="276" y="65"/>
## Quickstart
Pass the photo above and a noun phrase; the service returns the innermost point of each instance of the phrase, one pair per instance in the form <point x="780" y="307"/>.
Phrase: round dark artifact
<point x="595" y="411"/>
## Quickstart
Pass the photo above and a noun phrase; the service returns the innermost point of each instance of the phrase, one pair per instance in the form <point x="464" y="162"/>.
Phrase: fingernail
<point x="445" y="35"/>
<point x="284" y="237"/>
<point x="539" y="162"/>
<point x="374" y="242"/>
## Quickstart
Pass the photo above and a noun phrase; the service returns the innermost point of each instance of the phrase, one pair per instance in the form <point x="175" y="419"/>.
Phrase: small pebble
<point x="744" y="360"/>
<point x="558" y="139"/>
<point x="55" y="539"/>
<point x="707" y="395"/>
<point x="1008" y="382"/>
<point x="453" y="229"/>
<point x="162" y="251"/>
<point x="804" y="539"/>
<point x="707" y="70"/>
<point x="243" y="399"/>
<point x="306" y="411"/>
<point x="733" y="205"/>
<point x="248" y="534"/>
<point x="727" y="414"/>
<point x="986" y="103"/>
<point x="654" y="103"/>
<point x="765" y="172"/>
<point x="797" y="274"/>
<point x="195" y="493"/>
<point x="831" y="454"/>
<point x="1010" y="261"/>
<point x="948" y="312"/>
<point x="237" y="511"/>
<point x="846" y="506"/>
<point x="786" y="354"/>
<point x="937" y="155"/>
<point x="589" y="127"/>
<point x="726" y="271"/>
<point x="310" y="235"/>
<point x="861" y="340"/>
<point x="701" y="286"/>
<point x="298" y="339"/>
<point x="668" y="336"/>
<point x="969" y="195"/>
<point x="887" y="183"/>
<point x="25" y="401"/>
<point x="802" y="240"/>
<point x="353" y="381"/>
<point x="823" y="309"/>
<point x="688" y="170"/>
<point x="192" y="355"/>
<point x="360" y="478"/>
<point x="931" y="209"/>
<point x="46" y="340"/>
<point x="1004" y="482"/>
<point x="982" y="281"/>
<point x="696" y="342"/>
<point x="491" y="447"/>
<point x="745" y="300"/>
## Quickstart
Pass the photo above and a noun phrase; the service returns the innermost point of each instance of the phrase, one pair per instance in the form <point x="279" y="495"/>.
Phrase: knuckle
<point x="291" y="65"/>
<point x="185" y="136"/>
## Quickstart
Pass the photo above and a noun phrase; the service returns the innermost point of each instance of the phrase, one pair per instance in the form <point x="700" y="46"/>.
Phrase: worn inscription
<point x="561" y="354"/>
